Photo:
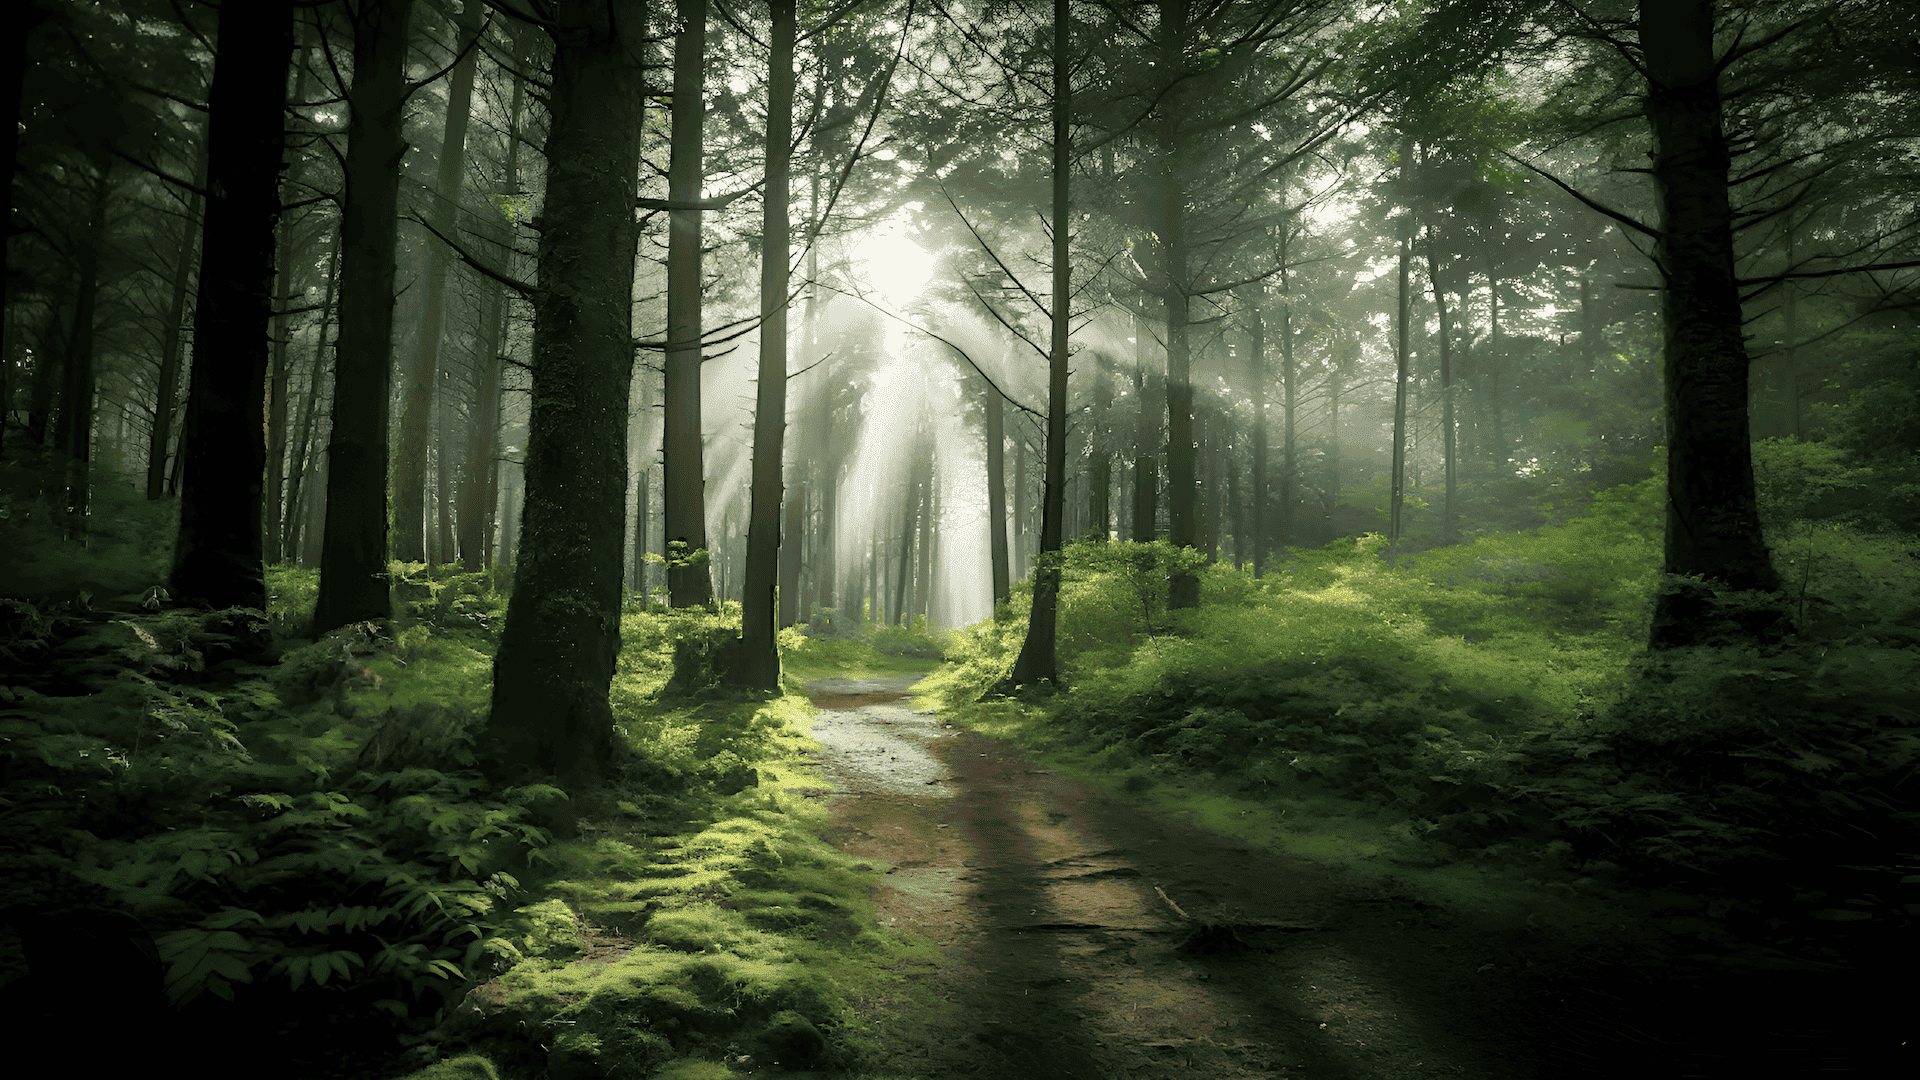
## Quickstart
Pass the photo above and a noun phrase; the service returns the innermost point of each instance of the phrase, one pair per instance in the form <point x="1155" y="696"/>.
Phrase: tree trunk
<point x="682" y="451"/>
<point x="1449" y="532"/>
<point x="303" y="441"/>
<point x="1251" y="300"/>
<point x="997" y="495"/>
<point x="906" y="547"/>
<point x="1146" y="441"/>
<point x="480" y="488"/>
<point x="166" y="384"/>
<point x="410" y="453"/>
<point x="1402" y="354"/>
<point x="1038" y="661"/>
<point x="218" y="557"/>
<point x="353" y="562"/>
<point x="1100" y="445"/>
<point x="73" y="427"/>
<point x="760" y="658"/>
<point x="562" y="635"/>
<point x="1236" y="518"/>
<point x="1713" y="520"/>
<point x="1289" y="403"/>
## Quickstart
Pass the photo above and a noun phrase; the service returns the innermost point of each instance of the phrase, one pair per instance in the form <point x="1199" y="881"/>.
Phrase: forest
<point x="477" y="475"/>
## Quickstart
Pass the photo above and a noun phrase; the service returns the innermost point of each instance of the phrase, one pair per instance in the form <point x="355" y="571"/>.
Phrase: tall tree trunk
<point x="218" y="557"/>
<point x="1038" y="661"/>
<point x="280" y="373"/>
<point x="1100" y="442"/>
<point x="73" y="427"/>
<point x="279" y="380"/>
<point x="167" y="382"/>
<point x="682" y="452"/>
<point x="480" y="488"/>
<point x="1022" y="511"/>
<point x="1449" y="532"/>
<point x="1146" y="440"/>
<point x="303" y="440"/>
<point x="1236" y="518"/>
<point x="410" y="451"/>
<point x="1289" y="404"/>
<point x="1713" y="520"/>
<point x="906" y="547"/>
<point x="997" y="495"/>
<point x="760" y="657"/>
<point x="1251" y="301"/>
<point x="562" y="634"/>
<point x="1402" y="355"/>
<point x="353" y="562"/>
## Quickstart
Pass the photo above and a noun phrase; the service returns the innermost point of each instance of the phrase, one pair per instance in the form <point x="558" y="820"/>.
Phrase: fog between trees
<point x="1332" y="269"/>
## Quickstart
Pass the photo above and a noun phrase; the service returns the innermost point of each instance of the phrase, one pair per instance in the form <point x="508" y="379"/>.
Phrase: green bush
<point x="296" y="834"/>
<point x="914" y="641"/>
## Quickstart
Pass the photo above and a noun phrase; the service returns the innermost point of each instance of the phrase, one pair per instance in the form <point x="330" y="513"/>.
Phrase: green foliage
<point x="915" y="641"/>
<point x="311" y="830"/>
<point x="1807" y="481"/>
<point x="125" y="545"/>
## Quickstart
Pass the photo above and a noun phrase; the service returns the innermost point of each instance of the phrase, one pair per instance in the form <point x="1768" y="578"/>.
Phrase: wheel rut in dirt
<point x="1082" y="937"/>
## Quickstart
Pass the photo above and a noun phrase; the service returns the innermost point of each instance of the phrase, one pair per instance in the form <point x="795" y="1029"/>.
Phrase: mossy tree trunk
<point x="562" y="634"/>
<point x="1713" y="520"/>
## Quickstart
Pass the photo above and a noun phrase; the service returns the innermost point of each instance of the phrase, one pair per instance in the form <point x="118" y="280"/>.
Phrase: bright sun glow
<point x="892" y="266"/>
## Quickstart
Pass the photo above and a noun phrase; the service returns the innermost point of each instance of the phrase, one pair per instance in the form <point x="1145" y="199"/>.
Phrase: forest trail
<point x="1059" y="957"/>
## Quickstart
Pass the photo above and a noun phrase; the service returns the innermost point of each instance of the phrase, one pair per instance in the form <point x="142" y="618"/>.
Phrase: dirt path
<point x="1082" y="938"/>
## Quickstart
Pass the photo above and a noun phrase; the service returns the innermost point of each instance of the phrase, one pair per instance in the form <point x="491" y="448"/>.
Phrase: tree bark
<point x="997" y="495"/>
<point x="1402" y="355"/>
<point x="1100" y="447"/>
<point x="1449" y="532"/>
<point x="353" y="560"/>
<point x="1146" y="474"/>
<point x="218" y="557"/>
<point x="166" y="384"/>
<point x="1713" y="521"/>
<point x="73" y="426"/>
<point x="1038" y="662"/>
<point x="682" y="451"/>
<point x="760" y="657"/>
<point x="562" y="635"/>
<point x="303" y="441"/>
<point x="410" y="453"/>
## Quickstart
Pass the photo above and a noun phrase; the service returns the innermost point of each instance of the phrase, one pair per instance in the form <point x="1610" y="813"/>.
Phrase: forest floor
<point x="1090" y="934"/>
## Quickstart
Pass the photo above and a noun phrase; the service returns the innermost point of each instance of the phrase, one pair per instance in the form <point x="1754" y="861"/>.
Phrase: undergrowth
<point x="1493" y="702"/>
<point x="310" y="843"/>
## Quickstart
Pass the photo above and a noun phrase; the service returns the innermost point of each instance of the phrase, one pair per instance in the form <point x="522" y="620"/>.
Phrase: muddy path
<point x="1082" y="938"/>
<point x="1080" y="935"/>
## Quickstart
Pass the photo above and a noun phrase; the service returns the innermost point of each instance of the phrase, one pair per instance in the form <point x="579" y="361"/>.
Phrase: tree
<point x="1038" y="662"/>
<point x="759" y="666"/>
<point x="1713" y="517"/>
<point x="219" y="557"/>
<point x="562" y="635"/>
<point x="410" y="456"/>
<point x="683" y="471"/>
<point x="353" y="556"/>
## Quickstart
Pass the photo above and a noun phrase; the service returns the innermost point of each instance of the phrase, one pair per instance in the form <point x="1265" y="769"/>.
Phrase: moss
<point x="553" y="932"/>
<point x="467" y="1067"/>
